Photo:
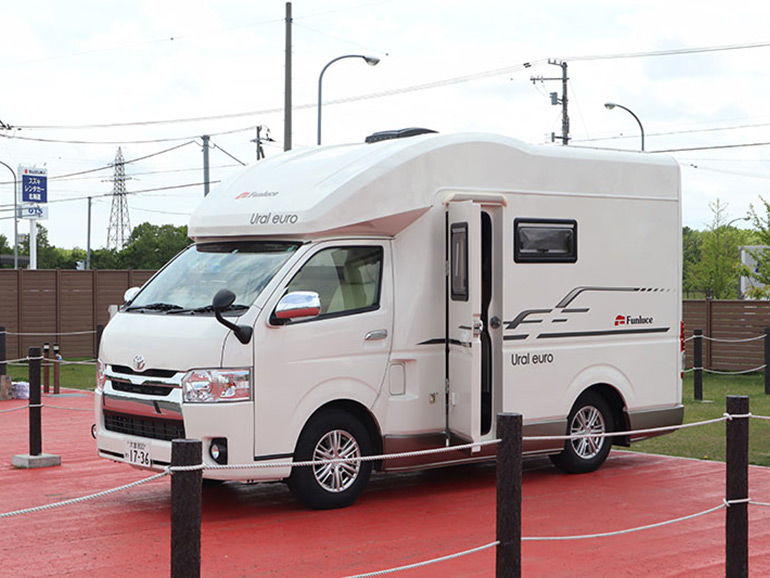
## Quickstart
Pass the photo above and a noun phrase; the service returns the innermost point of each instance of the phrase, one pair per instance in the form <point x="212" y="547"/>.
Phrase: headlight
<point x="101" y="379"/>
<point x="215" y="385"/>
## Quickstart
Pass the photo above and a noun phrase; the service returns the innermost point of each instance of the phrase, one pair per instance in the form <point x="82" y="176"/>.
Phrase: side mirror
<point x="222" y="300"/>
<point x="130" y="293"/>
<point x="297" y="305"/>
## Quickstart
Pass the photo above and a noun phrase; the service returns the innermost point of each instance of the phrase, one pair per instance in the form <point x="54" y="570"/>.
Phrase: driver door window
<point x="347" y="279"/>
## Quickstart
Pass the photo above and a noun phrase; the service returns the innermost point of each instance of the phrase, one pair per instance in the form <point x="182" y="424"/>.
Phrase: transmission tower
<point x="119" y="228"/>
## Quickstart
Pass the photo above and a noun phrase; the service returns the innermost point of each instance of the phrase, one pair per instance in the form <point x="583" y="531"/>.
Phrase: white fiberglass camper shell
<point x="396" y="296"/>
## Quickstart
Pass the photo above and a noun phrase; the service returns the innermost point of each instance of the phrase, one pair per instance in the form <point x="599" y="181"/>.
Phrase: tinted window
<point x="544" y="241"/>
<point x="459" y="261"/>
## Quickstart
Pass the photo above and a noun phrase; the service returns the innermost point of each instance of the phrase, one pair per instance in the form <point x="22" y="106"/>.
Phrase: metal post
<point x="508" y="557"/>
<point x="3" y="368"/>
<point x="205" y="139"/>
<point x="737" y="488"/>
<point x="46" y="367"/>
<point x="88" y="239"/>
<point x="697" y="343"/>
<point x="35" y="436"/>
<point x="767" y="360"/>
<point x="287" y="84"/>
<point x="99" y="331"/>
<point x="32" y="243"/>
<point x="186" y="510"/>
<point x="56" y="368"/>
<point x="564" y="113"/>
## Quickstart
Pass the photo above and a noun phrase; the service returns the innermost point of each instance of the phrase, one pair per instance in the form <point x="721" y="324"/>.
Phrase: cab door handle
<point x="376" y="335"/>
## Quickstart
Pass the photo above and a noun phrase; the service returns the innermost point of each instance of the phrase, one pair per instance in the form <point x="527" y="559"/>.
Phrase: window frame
<point x="518" y="257"/>
<point x="336" y="314"/>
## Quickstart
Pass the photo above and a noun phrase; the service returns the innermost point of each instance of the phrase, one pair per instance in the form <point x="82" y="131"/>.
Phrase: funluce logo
<point x="255" y="195"/>
<point x="629" y="320"/>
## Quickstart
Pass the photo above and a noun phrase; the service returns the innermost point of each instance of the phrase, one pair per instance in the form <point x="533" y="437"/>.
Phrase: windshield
<point x="191" y="280"/>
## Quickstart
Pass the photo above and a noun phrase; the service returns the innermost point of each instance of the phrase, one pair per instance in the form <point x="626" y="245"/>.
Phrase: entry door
<point x="464" y="327"/>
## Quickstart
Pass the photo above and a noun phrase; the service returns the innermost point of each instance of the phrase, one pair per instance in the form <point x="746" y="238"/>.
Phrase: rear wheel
<point x="590" y="416"/>
<point x="331" y="435"/>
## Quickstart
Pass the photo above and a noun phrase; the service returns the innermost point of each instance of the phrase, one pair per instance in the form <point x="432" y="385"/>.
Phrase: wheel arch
<point x="361" y="413"/>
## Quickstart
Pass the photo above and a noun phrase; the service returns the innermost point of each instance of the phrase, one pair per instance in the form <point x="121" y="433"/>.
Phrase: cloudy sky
<point x="81" y="78"/>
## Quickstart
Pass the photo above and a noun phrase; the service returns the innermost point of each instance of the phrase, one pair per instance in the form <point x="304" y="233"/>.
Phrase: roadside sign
<point x="33" y="211"/>
<point x="34" y="184"/>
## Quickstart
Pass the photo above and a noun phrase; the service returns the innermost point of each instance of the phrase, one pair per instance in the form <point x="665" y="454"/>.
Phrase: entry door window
<point x="458" y="261"/>
<point x="347" y="279"/>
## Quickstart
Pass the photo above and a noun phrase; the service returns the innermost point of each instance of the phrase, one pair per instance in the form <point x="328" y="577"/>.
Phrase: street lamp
<point x="370" y="60"/>
<point x="15" y="219"/>
<point x="611" y="105"/>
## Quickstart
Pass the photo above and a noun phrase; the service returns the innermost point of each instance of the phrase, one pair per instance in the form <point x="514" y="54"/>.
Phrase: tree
<point x="761" y="275"/>
<point x="692" y="242"/>
<point x="718" y="271"/>
<point x="152" y="246"/>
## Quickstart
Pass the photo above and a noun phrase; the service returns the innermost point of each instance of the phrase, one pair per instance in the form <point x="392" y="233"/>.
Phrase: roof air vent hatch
<point x="398" y="133"/>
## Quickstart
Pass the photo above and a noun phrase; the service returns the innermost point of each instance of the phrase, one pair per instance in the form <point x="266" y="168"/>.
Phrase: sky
<point x="83" y="77"/>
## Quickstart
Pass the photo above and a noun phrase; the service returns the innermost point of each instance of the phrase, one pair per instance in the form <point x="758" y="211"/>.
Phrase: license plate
<point x="137" y="453"/>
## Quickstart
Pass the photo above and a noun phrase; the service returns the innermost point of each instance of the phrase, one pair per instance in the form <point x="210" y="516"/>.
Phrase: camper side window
<point x="544" y="241"/>
<point x="347" y="279"/>
<point x="458" y="260"/>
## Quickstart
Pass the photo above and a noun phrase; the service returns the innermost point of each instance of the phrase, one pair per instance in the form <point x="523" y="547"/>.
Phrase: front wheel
<point x="331" y="435"/>
<point x="589" y="417"/>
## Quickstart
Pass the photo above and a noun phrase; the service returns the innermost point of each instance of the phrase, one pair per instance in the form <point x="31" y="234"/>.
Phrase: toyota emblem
<point x="139" y="363"/>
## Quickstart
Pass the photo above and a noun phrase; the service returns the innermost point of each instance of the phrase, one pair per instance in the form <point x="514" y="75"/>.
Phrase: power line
<point x="106" y="142"/>
<point x="677" y="132"/>
<point x="670" y="52"/>
<point x="216" y="146"/>
<point x="713" y="147"/>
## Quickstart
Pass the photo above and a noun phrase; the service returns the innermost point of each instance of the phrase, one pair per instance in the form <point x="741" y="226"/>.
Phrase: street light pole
<point x="15" y="219"/>
<point x="370" y="60"/>
<point x="611" y="105"/>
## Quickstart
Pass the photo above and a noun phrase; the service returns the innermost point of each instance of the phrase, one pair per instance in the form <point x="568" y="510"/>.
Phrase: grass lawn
<point x="708" y="442"/>
<point x="76" y="376"/>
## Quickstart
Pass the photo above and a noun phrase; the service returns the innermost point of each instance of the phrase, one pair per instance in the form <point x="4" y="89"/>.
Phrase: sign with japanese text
<point x="34" y="185"/>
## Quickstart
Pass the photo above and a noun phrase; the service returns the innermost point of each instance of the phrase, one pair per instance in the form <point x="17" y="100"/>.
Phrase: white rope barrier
<point x="47" y="405"/>
<point x="627" y="531"/>
<point x="65" y="362"/>
<point x="760" y="417"/>
<point x="735" y="372"/>
<point x="723" y="340"/>
<point x="14" y="409"/>
<point x="764" y="504"/>
<point x="49" y="333"/>
<point x="19" y="361"/>
<point x="427" y="562"/>
<point x="82" y="498"/>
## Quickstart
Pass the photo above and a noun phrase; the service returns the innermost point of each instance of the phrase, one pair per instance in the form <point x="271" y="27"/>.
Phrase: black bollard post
<point x="737" y="488"/>
<point x="35" y="436"/>
<point x="186" y="509"/>
<point x="99" y="331"/>
<point x="767" y="360"/>
<point x="46" y="367"/>
<point x="3" y="368"/>
<point x="697" y="361"/>
<point x="56" y="368"/>
<point x="508" y="557"/>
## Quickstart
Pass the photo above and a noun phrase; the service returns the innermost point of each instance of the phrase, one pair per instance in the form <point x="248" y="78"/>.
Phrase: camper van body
<point x="477" y="275"/>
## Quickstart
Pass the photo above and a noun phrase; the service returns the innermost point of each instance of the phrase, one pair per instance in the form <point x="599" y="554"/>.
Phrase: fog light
<point x="218" y="450"/>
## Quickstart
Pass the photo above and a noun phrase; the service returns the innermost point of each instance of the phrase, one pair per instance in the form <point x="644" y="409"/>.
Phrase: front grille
<point x="143" y="388"/>
<point x="145" y="427"/>
<point x="165" y="373"/>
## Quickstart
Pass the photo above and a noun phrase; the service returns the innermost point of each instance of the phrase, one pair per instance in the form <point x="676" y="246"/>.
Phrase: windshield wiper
<point x="155" y="307"/>
<point x="209" y="309"/>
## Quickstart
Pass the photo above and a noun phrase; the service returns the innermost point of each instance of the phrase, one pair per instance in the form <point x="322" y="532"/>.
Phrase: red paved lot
<point x="260" y="530"/>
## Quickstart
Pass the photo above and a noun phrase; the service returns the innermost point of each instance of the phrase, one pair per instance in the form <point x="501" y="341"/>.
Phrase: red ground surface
<point x="260" y="529"/>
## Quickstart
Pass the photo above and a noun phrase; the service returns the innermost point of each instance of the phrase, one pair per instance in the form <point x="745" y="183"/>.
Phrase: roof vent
<point x="398" y="133"/>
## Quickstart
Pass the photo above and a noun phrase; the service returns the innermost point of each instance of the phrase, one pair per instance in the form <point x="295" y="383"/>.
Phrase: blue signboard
<point x="34" y="188"/>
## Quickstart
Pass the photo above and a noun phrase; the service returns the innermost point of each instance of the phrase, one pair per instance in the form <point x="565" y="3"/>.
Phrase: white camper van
<point x="396" y="295"/>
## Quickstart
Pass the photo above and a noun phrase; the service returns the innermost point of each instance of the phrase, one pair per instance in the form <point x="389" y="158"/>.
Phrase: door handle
<point x="376" y="335"/>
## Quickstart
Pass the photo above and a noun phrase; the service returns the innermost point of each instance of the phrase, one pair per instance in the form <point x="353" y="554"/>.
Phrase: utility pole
<point x="555" y="100"/>
<point x="287" y="84"/>
<point x="259" y="140"/>
<point x="205" y="139"/>
<point x="88" y="239"/>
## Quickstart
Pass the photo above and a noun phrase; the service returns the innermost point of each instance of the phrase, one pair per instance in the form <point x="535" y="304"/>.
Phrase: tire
<point x="590" y="414"/>
<point x="332" y="434"/>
